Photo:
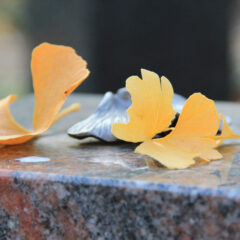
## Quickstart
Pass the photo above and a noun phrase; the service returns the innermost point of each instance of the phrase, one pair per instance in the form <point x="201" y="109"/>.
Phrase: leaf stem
<point x="72" y="108"/>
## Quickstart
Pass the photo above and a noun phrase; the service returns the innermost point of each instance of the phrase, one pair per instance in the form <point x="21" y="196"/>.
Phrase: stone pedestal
<point x="93" y="190"/>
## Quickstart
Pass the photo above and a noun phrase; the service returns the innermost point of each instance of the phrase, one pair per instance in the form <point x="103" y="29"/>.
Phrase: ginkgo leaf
<point x="171" y="157"/>
<point x="7" y="124"/>
<point x="10" y="131"/>
<point x="151" y="111"/>
<point x="192" y="134"/>
<point x="197" y="122"/>
<point x="57" y="71"/>
<point x="211" y="154"/>
<point x="190" y="139"/>
<point x="226" y="132"/>
<point x="199" y="117"/>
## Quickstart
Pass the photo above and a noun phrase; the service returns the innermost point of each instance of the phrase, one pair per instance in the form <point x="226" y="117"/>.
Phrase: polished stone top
<point x="94" y="159"/>
<point x="57" y="187"/>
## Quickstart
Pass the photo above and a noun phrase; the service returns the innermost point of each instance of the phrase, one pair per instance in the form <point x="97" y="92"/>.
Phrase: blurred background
<point x="196" y="44"/>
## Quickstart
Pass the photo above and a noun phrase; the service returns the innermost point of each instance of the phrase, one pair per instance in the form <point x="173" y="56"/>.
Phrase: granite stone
<point x="93" y="190"/>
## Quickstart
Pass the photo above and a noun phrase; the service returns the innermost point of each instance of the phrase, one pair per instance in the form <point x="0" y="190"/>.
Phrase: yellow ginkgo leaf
<point x="171" y="157"/>
<point x="193" y="136"/>
<point x="57" y="71"/>
<point x="151" y="111"/>
<point x="190" y="139"/>
<point x="198" y="120"/>
<point x="226" y="132"/>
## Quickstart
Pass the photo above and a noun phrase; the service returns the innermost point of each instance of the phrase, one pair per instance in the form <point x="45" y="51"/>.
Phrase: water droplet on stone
<point x="33" y="159"/>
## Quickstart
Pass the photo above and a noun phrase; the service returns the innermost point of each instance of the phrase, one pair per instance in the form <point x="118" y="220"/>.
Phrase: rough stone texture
<point x="93" y="190"/>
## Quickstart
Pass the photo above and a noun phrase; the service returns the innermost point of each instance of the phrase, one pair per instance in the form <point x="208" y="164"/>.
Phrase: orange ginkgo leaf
<point x="151" y="111"/>
<point x="10" y="130"/>
<point x="57" y="71"/>
<point x="197" y="122"/>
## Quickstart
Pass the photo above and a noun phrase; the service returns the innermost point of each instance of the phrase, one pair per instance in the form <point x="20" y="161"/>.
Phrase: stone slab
<point x="94" y="190"/>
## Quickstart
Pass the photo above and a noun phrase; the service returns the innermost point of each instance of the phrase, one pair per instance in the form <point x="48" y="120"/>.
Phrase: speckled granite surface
<point x="91" y="190"/>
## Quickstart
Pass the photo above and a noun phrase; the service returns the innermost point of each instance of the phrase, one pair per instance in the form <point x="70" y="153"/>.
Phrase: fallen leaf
<point x="151" y="111"/>
<point x="226" y="132"/>
<point x="171" y="157"/>
<point x="190" y="138"/>
<point x="57" y="71"/>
